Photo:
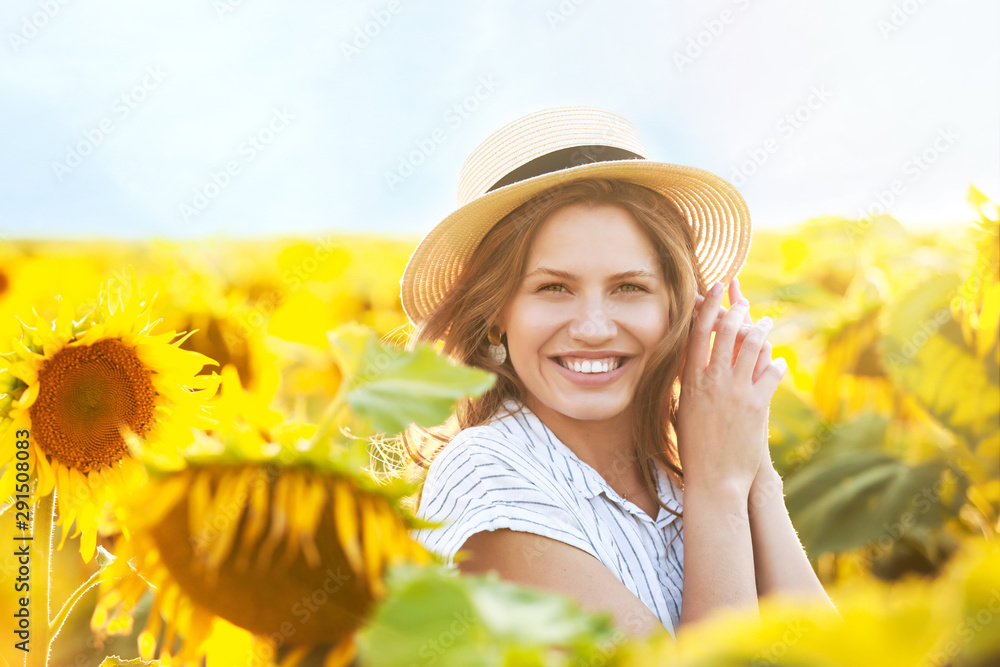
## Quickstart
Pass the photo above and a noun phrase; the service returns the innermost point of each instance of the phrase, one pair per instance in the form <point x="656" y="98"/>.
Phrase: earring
<point x="497" y="350"/>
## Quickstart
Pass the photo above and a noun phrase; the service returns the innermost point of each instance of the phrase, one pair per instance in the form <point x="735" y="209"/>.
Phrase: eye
<point x="545" y="288"/>
<point x="638" y="288"/>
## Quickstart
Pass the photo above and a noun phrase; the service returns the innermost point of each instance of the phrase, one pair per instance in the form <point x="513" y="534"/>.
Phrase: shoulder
<point x="488" y="478"/>
<point x="480" y="451"/>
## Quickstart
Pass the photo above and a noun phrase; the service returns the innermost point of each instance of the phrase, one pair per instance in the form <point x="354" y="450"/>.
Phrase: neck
<point x="605" y="444"/>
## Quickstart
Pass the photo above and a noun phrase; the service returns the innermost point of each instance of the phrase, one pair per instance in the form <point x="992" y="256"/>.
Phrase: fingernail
<point x="743" y="302"/>
<point x="781" y="364"/>
<point x="766" y="321"/>
<point x="716" y="289"/>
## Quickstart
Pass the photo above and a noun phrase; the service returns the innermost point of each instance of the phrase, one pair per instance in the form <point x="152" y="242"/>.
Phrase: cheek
<point x="652" y="320"/>
<point x="533" y="319"/>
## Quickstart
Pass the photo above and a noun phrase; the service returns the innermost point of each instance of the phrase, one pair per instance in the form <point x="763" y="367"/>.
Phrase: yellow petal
<point x="46" y="476"/>
<point x="342" y="654"/>
<point x="279" y="522"/>
<point x="88" y="536"/>
<point x="23" y="352"/>
<point x="256" y="519"/>
<point x="371" y="545"/>
<point x="28" y="397"/>
<point x="25" y="371"/>
<point x="345" y="518"/>
<point x="91" y="336"/>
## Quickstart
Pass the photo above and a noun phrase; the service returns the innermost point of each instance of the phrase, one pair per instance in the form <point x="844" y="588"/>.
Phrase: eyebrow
<point x="566" y="275"/>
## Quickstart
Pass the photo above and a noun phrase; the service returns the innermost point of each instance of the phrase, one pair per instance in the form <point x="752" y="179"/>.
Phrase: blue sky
<point x="133" y="119"/>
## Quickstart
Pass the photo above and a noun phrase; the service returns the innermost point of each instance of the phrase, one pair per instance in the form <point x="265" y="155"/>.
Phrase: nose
<point x="594" y="323"/>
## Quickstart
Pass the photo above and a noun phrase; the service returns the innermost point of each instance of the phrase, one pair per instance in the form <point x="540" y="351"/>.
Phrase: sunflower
<point x="73" y="385"/>
<point x="261" y="527"/>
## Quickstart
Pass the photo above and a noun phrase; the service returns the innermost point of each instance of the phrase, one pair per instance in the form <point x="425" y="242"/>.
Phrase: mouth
<point x="591" y="366"/>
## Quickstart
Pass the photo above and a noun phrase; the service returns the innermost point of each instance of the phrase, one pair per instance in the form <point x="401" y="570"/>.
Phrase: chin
<point x="595" y="408"/>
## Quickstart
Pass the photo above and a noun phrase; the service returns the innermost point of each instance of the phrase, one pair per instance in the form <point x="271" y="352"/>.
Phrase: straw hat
<point x="553" y="147"/>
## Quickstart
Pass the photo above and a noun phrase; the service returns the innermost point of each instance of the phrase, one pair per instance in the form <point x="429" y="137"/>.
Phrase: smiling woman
<point x="576" y="271"/>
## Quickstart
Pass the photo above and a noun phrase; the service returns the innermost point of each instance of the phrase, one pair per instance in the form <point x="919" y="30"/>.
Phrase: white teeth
<point x="589" y="366"/>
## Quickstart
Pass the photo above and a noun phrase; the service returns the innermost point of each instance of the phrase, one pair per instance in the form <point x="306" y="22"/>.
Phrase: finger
<point x="735" y="294"/>
<point x="701" y="333"/>
<point x="772" y="377"/>
<point x="725" y="335"/>
<point x="740" y="335"/>
<point x="763" y="360"/>
<point x="698" y="300"/>
<point x="750" y="350"/>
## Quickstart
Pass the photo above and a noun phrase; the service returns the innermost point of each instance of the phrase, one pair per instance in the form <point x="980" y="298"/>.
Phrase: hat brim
<point x="718" y="215"/>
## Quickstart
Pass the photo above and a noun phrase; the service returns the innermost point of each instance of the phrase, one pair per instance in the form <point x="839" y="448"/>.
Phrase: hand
<point x="764" y="358"/>
<point x="722" y="418"/>
<point x="765" y="472"/>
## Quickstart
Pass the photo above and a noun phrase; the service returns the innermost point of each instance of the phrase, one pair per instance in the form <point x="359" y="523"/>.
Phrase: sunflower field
<point x="199" y="461"/>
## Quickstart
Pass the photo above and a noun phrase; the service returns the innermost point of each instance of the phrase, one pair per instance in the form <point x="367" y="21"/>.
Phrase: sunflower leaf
<point x="434" y="615"/>
<point x="855" y="497"/>
<point x="389" y="389"/>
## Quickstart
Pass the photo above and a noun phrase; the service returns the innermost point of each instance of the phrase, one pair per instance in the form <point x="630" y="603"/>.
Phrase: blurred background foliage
<point x="887" y="432"/>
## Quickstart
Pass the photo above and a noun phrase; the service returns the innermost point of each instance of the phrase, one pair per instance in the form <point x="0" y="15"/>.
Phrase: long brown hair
<point x="461" y="320"/>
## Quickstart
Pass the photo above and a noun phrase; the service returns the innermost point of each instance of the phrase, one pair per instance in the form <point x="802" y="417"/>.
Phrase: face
<point x="592" y="298"/>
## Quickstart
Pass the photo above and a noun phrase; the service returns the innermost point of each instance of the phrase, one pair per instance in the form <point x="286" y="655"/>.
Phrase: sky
<point x="189" y="118"/>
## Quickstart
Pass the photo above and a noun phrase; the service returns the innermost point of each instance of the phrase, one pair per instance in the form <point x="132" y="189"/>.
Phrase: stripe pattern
<point x="515" y="473"/>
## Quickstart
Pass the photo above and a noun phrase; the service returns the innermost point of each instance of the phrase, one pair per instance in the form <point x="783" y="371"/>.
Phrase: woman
<point x="589" y="279"/>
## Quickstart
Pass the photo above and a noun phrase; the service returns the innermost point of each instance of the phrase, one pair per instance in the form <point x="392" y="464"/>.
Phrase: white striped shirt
<point x="515" y="473"/>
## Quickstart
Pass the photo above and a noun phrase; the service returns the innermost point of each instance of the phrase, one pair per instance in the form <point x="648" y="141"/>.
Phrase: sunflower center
<point x="4" y="283"/>
<point x="85" y="393"/>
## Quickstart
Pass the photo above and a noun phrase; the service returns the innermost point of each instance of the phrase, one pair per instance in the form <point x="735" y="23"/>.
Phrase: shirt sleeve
<point x="479" y="482"/>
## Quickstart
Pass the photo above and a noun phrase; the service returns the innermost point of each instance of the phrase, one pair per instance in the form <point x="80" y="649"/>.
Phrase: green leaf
<point x="434" y="615"/>
<point x="925" y="355"/>
<point x="793" y="426"/>
<point x="854" y="498"/>
<point x="389" y="388"/>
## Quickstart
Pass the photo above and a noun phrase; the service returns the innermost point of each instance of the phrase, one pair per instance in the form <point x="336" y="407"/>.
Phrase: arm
<point x="718" y="554"/>
<point x="780" y="562"/>
<point x="542" y="562"/>
<point x="721" y="402"/>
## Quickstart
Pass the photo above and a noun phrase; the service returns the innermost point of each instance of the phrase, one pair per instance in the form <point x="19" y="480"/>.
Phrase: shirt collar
<point x="589" y="482"/>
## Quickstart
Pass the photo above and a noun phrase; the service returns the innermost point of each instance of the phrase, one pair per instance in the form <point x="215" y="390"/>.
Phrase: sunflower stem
<point x="38" y="605"/>
<point x="60" y="618"/>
